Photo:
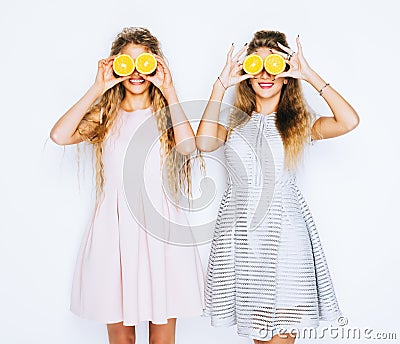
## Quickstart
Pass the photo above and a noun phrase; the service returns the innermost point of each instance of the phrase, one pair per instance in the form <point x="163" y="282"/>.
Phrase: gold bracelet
<point x="320" y="91"/>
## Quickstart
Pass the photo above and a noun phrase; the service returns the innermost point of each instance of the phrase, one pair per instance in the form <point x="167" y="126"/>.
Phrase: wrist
<point x="170" y="95"/>
<point x="218" y="92"/>
<point x="97" y="90"/>
<point x="315" y="80"/>
<point x="310" y="76"/>
<point x="218" y="86"/>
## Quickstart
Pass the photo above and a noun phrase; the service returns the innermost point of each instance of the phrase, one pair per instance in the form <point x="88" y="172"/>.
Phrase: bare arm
<point x="64" y="131"/>
<point x="183" y="132"/>
<point x="344" y="119"/>
<point x="210" y="134"/>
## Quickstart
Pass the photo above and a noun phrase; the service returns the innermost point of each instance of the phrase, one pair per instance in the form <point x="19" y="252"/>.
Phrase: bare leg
<point x="162" y="334"/>
<point x="278" y="339"/>
<point x="120" y="334"/>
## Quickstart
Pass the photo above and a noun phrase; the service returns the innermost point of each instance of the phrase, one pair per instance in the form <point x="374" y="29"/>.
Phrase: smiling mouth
<point x="136" y="81"/>
<point x="266" y="85"/>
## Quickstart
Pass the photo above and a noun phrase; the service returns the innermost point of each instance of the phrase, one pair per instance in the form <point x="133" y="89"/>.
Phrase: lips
<point x="136" y="81"/>
<point x="266" y="85"/>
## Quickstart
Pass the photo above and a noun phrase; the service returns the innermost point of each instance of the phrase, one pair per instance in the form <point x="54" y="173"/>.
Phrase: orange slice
<point x="146" y="63"/>
<point x="274" y="64"/>
<point x="253" y="64"/>
<point x="123" y="65"/>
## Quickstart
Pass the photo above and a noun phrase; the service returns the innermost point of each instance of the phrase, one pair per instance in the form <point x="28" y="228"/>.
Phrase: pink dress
<point x="124" y="272"/>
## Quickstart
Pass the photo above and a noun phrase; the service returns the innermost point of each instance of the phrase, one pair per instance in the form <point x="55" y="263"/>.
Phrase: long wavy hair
<point x="102" y="115"/>
<point x="293" y="118"/>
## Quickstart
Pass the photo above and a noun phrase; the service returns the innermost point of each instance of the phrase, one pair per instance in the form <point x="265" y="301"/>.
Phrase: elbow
<point x="186" y="148"/>
<point x="354" y="123"/>
<point x="203" y="144"/>
<point x="186" y="151"/>
<point x="59" y="139"/>
<point x="200" y="144"/>
<point x="55" y="138"/>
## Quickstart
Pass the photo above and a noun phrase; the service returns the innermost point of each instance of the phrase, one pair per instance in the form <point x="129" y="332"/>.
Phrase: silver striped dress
<point x="267" y="271"/>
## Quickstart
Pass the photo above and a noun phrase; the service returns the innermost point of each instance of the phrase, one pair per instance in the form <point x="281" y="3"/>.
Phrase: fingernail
<point x="298" y="36"/>
<point x="245" y="44"/>
<point x="232" y="43"/>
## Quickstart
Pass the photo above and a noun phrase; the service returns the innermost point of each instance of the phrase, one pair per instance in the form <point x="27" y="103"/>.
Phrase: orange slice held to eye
<point x="274" y="64"/>
<point x="123" y="65"/>
<point x="253" y="64"/>
<point x="146" y="63"/>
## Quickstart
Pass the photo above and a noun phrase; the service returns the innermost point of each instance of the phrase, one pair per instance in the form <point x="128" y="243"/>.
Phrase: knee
<point x="121" y="338"/>
<point x="158" y="340"/>
<point x="120" y="334"/>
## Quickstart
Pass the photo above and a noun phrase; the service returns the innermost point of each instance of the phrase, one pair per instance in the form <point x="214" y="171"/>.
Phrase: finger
<point x="123" y="78"/>
<point x="230" y="52"/>
<point x="236" y="70"/>
<point x="241" y="60"/>
<point x="239" y="53"/>
<point x="163" y="64"/>
<point x="246" y="76"/>
<point x="111" y="58"/>
<point x="284" y="75"/>
<point x="299" y="47"/>
<point x="274" y="51"/>
<point x="161" y="69"/>
<point x="103" y="62"/>
<point x="160" y="59"/>
<point x="284" y="48"/>
<point x="146" y="77"/>
<point x="109" y="62"/>
<point x="120" y="79"/>
<point x="238" y="66"/>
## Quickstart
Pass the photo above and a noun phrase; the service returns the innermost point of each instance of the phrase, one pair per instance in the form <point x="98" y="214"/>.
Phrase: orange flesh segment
<point x="274" y="64"/>
<point x="123" y="65"/>
<point x="253" y="64"/>
<point x="146" y="63"/>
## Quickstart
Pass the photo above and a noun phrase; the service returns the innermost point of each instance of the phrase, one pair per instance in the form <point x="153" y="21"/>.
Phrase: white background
<point x="49" y="54"/>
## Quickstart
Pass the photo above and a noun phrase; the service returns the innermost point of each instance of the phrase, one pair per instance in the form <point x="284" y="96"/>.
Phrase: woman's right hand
<point x="231" y="74"/>
<point x="105" y="78"/>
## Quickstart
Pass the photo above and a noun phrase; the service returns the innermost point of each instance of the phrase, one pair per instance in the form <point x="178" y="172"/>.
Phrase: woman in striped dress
<point x="267" y="272"/>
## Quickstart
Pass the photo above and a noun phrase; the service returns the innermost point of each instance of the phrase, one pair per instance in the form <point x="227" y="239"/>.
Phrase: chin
<point x="266" y="94"/>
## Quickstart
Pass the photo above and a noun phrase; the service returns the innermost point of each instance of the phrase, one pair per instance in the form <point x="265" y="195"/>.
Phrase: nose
<point x="264" y="74"/>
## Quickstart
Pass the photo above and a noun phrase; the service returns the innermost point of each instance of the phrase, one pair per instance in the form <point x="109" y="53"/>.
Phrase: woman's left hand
<point x="162" y="79"/>
<point x="299" y="67"/>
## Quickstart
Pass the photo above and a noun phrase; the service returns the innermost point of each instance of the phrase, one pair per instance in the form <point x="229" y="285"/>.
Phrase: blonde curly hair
<point x="102" y="115"/>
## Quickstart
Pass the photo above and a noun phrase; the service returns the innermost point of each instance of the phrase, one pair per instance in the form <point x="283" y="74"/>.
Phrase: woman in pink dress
<point x="128" y="269"/>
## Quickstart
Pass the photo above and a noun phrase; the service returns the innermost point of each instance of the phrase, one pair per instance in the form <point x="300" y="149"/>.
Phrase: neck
<point x="267" y="105"/>
<point x="132" y="102"/>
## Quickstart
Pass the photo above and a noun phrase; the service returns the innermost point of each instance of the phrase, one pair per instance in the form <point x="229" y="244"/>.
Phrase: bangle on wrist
<point x="221" y="83"/>
<point x="321" y="90"/>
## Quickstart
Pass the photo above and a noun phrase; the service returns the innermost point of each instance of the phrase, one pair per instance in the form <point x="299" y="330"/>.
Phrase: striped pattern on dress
<point x="267" y="271"/>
